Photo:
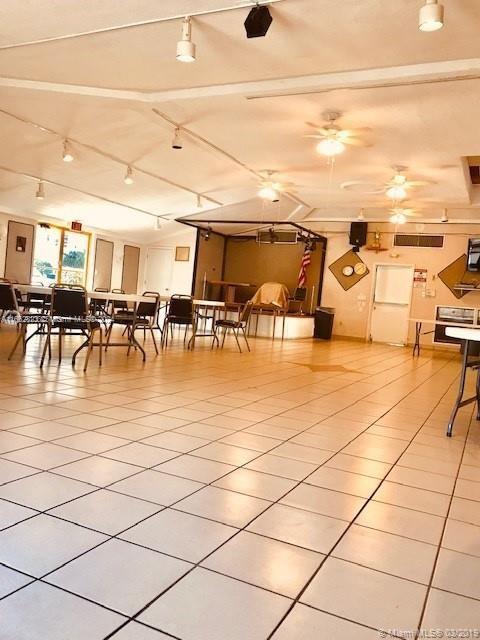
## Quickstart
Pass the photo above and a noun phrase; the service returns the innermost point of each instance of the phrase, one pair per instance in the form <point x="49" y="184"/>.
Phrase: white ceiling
<point x="108" y="83"/>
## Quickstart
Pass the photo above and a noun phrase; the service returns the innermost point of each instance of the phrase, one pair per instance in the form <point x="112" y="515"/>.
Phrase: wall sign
<point x="182" y="254"/>
<point x="349" y="269"/>
<point x="419" y="278"/>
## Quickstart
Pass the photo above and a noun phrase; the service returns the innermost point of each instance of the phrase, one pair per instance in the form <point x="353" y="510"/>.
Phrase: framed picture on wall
<point x="182" y="254"/>
<point x="21" y="244"/>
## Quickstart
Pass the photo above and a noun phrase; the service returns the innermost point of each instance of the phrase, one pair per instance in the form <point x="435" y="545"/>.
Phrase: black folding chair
<point x="69" y="312"/>
<point x="144" y="317"/>
<point x="235" y="326"/>
<point x="180" y="312"/>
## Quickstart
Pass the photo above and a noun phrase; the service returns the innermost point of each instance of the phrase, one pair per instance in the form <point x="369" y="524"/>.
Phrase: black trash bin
<point x="324" y="317"/>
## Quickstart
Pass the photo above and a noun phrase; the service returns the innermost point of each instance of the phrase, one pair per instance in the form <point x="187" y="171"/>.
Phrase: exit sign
<point x="76" y="226"/>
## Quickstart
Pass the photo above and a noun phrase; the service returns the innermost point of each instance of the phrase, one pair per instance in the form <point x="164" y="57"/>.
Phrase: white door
<point x="158" y="270"/>
<point x="391" y="303"/>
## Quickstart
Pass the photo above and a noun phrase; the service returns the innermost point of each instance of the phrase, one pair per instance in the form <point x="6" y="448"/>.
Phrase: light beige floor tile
<point x="79" y="619"/>
<point x="156" y="487"/>
<point x="179" y="534"/>
<point x="43" y="490"/>
<point x="226" y="453"/>
<point x="305" y="623"/>
<point x="282" y="467"/>
<point x="45" y="456"/>
<point x="299" y="452"/>
<point x="47" y="412"/>
<point x="362" y="466"/>
<point x="176" y="441"/>
<point x="253" y="483"/>
<point x="41" y="544"/>
<point x="369" y="597"/>
<point x="121" y="413"/>
<point x="324" y="501"/>
<point x="13" y="471"/>
<point x="207" y="431"/>
<point x="136" y="631"/>
<point x="422" y="480"/>
<point x="412" y="498"/>
<point x="128" y="430"/>
<point x="12" y="441"/>
<point x="11" y="513"/>
<point x="465" y="510"/>
<point x="430" y="465"/>
<point x="347" y="482"/>
<point x="461" y="536"/>
<point x="120" y="575"/>
<point x="251" y="441"/>
<point x="140" y="454"/>
<point x="403" y="522"/>
<point x="46" y="430"/>
<point x="11" y="420"/>
<point x="468" y="489"/>
<point x="449" y="611"/>
<point x="194" y="468"/>
<point x="106" y="511"/>
<point x="389" y="553"/>
<point x="228" y="507"/>
<point x="91" y="442"/>
<point x="11" y="581"/>
<point x="458" y="572"/>
<point x="302" y="528"/>
<point x="225" y="596"/>
<point x="270" y="564"/>
<point x="88" y="421"/>
<point x="97" y="471"/>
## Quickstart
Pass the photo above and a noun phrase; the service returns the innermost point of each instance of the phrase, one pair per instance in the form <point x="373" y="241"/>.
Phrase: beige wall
<point x="353" y="306"/>
<point x="249" y="261"/>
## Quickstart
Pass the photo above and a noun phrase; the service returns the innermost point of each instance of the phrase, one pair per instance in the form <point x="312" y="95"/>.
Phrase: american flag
<point x="306" y="260"/>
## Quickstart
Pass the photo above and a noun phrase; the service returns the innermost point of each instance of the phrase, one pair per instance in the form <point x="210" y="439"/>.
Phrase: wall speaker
<point x="358" y="233"/>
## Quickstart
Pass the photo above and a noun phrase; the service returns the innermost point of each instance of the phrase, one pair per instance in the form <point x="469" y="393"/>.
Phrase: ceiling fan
<point x="332" y="138"/>
<point x="270" y="189"/>
<point x="398" y="186"/>
<point x="400" y="215"/>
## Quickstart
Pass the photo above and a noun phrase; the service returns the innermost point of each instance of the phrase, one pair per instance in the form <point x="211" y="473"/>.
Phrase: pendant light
<point x="267" y="192"/>
<point x="128" y="179"/>
<point x="431" y="16"/>
<point x="398" y="218"/>
<point x="185" y="46"/>
<point x="40" y="193"/>
<point x="67" y="155"/>
<point x="396" y="192"/>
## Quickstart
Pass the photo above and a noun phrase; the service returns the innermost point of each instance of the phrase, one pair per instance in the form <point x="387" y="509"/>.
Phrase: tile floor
<point x="305" y="491"/>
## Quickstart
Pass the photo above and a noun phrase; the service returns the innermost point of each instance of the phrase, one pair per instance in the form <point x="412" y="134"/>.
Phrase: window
<point x="60" y="255"/>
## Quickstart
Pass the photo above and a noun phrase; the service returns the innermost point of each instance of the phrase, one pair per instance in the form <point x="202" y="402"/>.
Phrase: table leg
<point x="416" y="346"/>
<point x="458" y="401"/>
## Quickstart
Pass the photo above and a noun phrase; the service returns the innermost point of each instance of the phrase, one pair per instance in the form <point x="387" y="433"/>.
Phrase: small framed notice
<point x="182" y="254"/>
<point x="21" y="244"/>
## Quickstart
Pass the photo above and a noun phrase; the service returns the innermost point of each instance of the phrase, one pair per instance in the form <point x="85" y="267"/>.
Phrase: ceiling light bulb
<point x="67" y="155"/>
<point x="431" y="16"/>
<point x="199" y="201"/>
<point x="361" y="215"/>
<point x="268" y="193"/>
<point x="128" y="179"/>
<point x="330" y="147"/>
<point x="396" y="192"/>
<point x="185" y="46"/>
<point x="40" y="193"/>
<point x="158" y="223"/>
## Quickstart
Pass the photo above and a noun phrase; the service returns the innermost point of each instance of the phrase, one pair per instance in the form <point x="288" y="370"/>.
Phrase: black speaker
<point x="358" y="233"/>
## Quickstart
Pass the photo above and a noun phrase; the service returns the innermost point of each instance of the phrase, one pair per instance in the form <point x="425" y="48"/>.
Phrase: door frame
<point x="368" y="337"/>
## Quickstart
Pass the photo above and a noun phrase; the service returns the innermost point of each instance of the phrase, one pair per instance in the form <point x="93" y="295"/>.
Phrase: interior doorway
<point x="391" y="302"/>
<point x="159" y="270"/>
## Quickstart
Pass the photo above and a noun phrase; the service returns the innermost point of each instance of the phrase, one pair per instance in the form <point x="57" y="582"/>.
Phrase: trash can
<point x="324" y="322"/>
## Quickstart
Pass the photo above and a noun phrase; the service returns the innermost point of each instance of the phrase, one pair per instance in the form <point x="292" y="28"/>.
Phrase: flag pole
<point x="311" y="300"/>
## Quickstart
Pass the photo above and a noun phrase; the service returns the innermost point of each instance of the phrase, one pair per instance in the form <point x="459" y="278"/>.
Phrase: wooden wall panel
<point x="18" y="264"/>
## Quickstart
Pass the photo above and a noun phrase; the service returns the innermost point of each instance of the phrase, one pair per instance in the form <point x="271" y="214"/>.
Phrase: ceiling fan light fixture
<point x="67" y="155"/>
<point x="396" y="192"/>
<point x="186" y="49"/>
<point x="431" y="16"/>
<point x="267" y="192"/>
<point x="398" y="218"/>
<point x="330" y="147"/>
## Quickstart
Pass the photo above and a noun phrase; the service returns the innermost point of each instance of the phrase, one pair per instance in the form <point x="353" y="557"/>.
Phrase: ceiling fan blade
<point x="355" y="142"/>
<point x="313" y="135"/>
<point x="418" y="183"/>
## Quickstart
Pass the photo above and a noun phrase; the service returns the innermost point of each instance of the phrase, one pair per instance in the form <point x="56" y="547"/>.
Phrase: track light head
<point x="158" y="223"/>
<point x="431" y="16"/>
<point x="40" y="193"/>
<point x="177" y="139"/>
<point x="199" y="201"/>
<point x="444" y="217"/>
<point x="128" y="179"/>
<point x="67" y="155"/>
<point x="186" y="49"/>
<point x="206" y="234"/>
<point x="258" y="22"/>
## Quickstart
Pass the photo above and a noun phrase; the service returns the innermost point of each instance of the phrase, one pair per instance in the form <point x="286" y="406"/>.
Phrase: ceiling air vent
<point x="423" y="241"/>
